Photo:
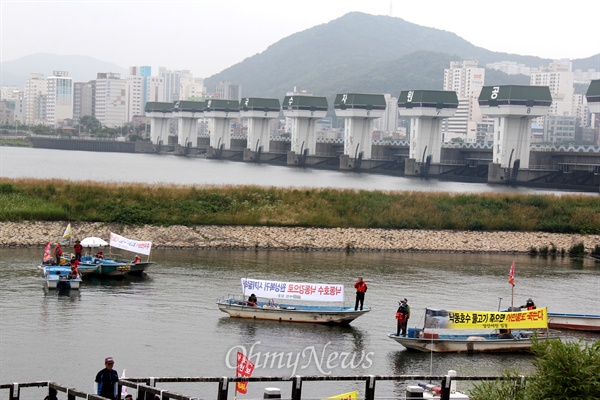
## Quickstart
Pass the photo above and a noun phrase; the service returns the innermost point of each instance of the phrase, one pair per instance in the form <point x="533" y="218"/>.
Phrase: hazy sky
<point x="206" y="37"/>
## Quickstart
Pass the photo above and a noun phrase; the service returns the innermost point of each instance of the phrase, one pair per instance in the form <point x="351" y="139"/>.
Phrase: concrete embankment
<point x="37" y="234"/>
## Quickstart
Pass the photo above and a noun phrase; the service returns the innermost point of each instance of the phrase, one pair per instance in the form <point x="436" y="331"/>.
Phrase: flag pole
<point x="512" y="298"/>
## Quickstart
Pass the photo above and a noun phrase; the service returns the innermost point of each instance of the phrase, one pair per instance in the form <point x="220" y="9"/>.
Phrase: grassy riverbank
<point x="137" y="204"/>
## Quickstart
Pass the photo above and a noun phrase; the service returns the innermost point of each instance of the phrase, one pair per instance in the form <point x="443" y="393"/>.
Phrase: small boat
<point x="437" y="335"/>
<point x="91" y="265"/>
<point x="578" y="322"/>
<point x="57" y="277"/>
<point x="271" y="309"/>
<point x="137" y="266"/>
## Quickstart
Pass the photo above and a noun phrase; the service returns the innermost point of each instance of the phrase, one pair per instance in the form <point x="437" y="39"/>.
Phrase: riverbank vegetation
<point x="166" y="205"/>
<point x="564" y="371"/>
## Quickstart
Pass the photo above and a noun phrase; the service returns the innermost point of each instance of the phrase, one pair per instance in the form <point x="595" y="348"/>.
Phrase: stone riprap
<point x="37" y="234"/>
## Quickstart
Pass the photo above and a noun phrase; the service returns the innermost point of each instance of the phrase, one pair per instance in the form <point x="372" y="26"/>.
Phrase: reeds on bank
<point x="165" y="205"/>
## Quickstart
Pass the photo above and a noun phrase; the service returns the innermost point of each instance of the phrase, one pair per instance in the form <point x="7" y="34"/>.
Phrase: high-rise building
<point x="155" y="89"/>
<point x="59" y="99"/>
<point x="466" y="79"/>
<point x="110" y="99"/>
<point x="388" y="123"/>
<point x="172" y="84"/>
<point x="35" y="99"/>
<point x="227" y="91"/>
<point x="83" y="100"/>
<point x="559" y="78"/>
<point x="136" y="100"/>
<point x="145" y="72"/>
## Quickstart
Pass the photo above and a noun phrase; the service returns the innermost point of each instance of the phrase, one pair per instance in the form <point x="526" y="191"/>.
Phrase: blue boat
<point x="60" y="277"/>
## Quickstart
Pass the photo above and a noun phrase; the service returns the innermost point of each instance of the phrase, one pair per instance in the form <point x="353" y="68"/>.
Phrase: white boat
<point x="437" y="335"/>
<point x="272" y="309"/>
<point x="579" y="322"/>
<point x="57" y="277"/>
<point x="137" y="266"/>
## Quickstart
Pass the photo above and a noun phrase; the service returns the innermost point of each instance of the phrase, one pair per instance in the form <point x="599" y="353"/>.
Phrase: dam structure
<point x="303" y="111"/>
<point x="359" y="111"/>
<point x="219" y="115"/>
<point x="427" y="110"/>
<point x="259" y="112"/>
<point x="160" y="115"/>
<point x="513" y="108"/>
<point x="187" y="114"/>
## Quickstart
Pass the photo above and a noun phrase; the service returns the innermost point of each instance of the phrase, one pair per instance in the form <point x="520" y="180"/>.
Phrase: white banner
<point x="135" y="246"/>
<point x="293" y="290"/>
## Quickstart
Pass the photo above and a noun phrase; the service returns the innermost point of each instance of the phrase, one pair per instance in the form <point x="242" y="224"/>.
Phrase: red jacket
<point x="361" y="286"/>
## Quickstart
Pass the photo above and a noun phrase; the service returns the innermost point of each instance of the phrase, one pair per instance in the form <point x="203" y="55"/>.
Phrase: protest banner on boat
<point x="135" y="246"/>
<point x="456" y="319"/>
<point x="245" y="367"/>
<point x="293" y="290"/>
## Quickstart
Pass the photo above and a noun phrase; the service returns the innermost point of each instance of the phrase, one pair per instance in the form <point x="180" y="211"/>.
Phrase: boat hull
<point x="468" y="344"/>
<point x="335" y="315"/>
<point x="578" y="322"/>
<point x="56" y="277"/>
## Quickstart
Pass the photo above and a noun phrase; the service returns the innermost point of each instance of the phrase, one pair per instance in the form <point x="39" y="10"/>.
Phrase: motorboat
<point x="60" y="277"/>
<point x="578" y="322"/>
<point x="291" y="302"/>
<point x="489" y="332"/>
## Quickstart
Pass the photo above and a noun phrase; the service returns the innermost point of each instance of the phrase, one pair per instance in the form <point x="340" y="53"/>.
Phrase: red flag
<point x="245" y="367"/>
<point x="47" y="256"/>
<point x="511" y="275"/>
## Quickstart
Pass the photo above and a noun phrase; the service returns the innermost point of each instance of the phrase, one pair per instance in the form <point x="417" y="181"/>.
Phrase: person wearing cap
<point x="107" y="380"/>
<point x="137" y="259"/>
<point x="252" y="300"/>
<point x="529" y="305"/>
<point x="407" y="313"/>
<point x="58" y="253"/>
<point x="401" y="317"/>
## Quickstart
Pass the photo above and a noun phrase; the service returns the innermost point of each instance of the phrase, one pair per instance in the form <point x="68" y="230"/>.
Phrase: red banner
<point x="47" y="255"/>
<point x="245" y="367"/>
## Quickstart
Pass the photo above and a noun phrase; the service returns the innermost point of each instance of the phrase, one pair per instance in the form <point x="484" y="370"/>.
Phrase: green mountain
<point x="365" y="53"/>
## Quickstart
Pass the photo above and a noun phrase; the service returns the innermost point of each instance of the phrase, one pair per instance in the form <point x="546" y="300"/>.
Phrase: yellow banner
<point x="345" y="396"/>
<point x="537" y="318"/>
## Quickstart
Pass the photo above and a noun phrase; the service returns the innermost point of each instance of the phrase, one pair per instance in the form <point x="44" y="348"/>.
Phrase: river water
<point x="18" y="162"/>
<point x="166" y="323"/>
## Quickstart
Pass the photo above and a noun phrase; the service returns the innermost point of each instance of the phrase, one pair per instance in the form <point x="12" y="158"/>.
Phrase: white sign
<point x="293" y="290"/>
<point x="135" y="246"/>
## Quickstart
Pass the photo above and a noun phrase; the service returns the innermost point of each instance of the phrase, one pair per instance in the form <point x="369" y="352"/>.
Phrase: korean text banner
<point x="293" y="290"/>
<point x="135" y="246"/>
<point x="245" y="367"/>
<point x="454" y="319"/>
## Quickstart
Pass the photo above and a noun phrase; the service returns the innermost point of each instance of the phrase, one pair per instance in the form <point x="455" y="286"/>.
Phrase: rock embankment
<point x="34" y="234"/>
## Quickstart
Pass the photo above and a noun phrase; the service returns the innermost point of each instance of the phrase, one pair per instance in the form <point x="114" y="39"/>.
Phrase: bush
<point x="577" y="250"/>
<point x="564" y="371"/>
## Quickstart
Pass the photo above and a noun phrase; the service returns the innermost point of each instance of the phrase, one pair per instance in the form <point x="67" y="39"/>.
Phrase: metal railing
<point x="146" y="387"/>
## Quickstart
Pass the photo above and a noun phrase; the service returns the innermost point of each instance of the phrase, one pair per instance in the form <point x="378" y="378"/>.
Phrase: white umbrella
<point x="93" y="242"/>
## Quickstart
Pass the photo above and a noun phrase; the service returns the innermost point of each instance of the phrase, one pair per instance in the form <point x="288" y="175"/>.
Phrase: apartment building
<point x="110" y="99"/>
<point x="466" y="79"/>
<point x="83" y="100"/>
<point x="59" y="98"/>
<point x="34" y="98"/>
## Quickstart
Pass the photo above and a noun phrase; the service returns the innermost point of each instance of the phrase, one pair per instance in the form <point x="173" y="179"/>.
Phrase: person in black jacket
<point x="401" y="318"/>
<point x="107" y="380"/>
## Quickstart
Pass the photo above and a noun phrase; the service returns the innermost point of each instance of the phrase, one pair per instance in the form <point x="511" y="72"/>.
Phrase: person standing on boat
<point x="401" y="318"/>
<point x="58" y="253"/>
<point x="529" y="305"/>
<point x="107" y="380"/>
<point x="405" y="301"/>
<point x="78" y="250"/>
<point x="361" y="289"/>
